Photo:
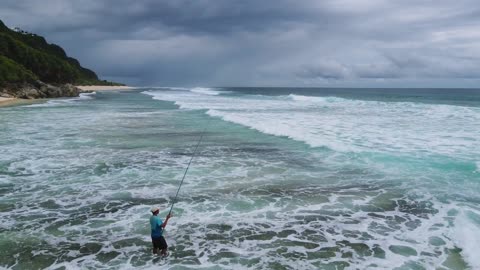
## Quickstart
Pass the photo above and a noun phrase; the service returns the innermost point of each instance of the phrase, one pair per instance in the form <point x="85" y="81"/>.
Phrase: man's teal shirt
<point x="156" y="226"/>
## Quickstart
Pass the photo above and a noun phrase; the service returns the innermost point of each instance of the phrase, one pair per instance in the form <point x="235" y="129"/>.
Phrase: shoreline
<point x="7" y="101"/>
<point x="102" y="87"/>
<point x="12" y="101"/>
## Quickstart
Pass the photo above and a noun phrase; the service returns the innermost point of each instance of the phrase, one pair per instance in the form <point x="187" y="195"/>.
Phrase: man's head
<point x="155" y="210"/>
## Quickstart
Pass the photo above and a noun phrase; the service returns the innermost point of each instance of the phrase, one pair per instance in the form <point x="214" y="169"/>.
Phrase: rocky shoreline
<point x="38" y="90"/>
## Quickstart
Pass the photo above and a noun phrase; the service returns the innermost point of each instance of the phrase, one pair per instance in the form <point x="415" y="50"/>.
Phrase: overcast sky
<point x="364" y="43"/>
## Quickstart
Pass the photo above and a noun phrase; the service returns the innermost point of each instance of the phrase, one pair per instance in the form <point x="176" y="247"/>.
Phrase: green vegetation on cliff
<point x="26" y="57"/>
<point x="12" y="72"/>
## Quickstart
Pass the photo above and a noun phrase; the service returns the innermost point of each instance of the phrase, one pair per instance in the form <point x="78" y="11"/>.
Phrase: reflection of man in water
<point x="157" y="227"/>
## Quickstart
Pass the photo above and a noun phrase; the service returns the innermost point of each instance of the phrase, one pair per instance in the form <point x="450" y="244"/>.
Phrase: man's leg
<point x="155" y="248"/>
<point x="163" y="246"/>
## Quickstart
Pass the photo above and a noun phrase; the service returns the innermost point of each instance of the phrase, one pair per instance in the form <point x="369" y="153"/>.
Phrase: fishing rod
<point x="186" y="170"/>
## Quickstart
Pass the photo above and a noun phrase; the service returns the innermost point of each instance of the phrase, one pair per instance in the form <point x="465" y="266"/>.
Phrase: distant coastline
<point x="32" y="68"/>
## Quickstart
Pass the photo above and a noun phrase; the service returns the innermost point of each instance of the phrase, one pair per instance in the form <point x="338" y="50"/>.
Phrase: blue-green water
<point x="284" y="179"/>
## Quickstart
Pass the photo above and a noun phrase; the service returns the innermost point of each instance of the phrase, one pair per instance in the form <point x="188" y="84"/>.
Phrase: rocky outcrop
<point x="39" y="89"/>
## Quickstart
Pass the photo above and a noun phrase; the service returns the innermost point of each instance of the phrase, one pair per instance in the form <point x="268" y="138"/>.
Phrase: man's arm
<point x="166" y="221"/>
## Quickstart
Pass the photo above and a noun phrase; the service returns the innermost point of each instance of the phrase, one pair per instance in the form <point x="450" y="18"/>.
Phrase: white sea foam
<point x="467" y="237"/>
<point x="206" y="91"/>
<point x="64" y="101"/>
<point x="87" y="95"/>
<point x="348" y="125"/>
<point x="316" y="99"/>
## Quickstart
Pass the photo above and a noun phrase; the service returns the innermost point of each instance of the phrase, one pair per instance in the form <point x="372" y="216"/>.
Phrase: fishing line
<point x="186" y="170"/>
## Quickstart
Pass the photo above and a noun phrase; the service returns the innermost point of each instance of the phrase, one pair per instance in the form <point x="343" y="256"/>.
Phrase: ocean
<point x="284" y="178"/>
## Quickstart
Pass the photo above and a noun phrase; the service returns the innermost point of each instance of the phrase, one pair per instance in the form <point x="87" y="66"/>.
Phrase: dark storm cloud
<point x="325" y="70"/>
<point x="206" y="42"/>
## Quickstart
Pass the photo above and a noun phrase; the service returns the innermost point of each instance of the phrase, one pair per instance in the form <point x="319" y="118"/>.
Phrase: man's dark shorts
<point x="159" y="243"/>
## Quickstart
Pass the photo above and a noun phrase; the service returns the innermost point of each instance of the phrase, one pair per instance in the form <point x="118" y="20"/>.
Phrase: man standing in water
<point x="157" y="227"/>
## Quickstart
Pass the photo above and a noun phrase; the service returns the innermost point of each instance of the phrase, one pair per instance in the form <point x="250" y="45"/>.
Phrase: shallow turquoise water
<point x="290" y="179"/>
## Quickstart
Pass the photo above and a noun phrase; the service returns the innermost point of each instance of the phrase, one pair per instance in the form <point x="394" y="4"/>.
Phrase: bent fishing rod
<point x="186" y="170"/>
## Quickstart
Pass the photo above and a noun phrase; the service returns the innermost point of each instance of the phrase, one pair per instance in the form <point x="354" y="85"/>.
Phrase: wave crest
<point x="315" y="99"/>
<point x="205" y="91"/>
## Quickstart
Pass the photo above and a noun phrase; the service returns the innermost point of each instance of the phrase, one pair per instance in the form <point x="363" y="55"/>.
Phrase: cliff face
<point x="32" y="68"/>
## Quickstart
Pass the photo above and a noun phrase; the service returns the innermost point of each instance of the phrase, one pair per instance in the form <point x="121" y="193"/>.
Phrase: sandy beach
<point x="102" y="87"/>
<point x="6" y="101"/>
<point x="11" y="101"/>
